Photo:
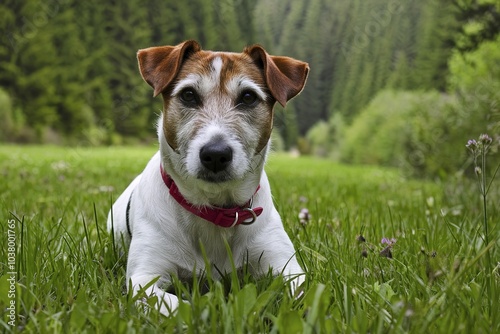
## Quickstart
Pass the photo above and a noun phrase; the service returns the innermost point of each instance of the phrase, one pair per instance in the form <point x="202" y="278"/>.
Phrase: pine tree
<point x="434" y="46"/>
<point x="399" y="79"/>
<point x="128" y="31"/>
<point x="70" y="68"/>
<point x="228" y="30"/>
<point x="28" y="75"/>
<point x="93" y="25"/>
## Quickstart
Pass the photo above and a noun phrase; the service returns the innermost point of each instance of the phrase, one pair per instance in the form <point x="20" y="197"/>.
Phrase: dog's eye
<point x="248" y="98"/>
<point x="189" y="97"/>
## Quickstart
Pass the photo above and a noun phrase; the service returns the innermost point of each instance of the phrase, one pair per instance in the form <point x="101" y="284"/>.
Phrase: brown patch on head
<point x="242" y="65"/>
<point x="170" y="121"/>
<point x="197" y="63"/>
<point x="264" y="117"/>
<point x="159" y="67"/>
<point x="267" y="128"/>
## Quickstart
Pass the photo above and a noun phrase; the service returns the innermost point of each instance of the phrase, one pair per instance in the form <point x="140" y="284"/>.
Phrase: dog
<point x="205" y="190"/>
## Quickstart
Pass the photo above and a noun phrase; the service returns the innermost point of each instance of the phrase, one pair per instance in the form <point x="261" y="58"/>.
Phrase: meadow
<point x="383" y="253"/>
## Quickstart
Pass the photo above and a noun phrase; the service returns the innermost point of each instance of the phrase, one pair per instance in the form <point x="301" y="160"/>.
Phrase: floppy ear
<point x="160" y="65"/>
<point x="284" y="76"/>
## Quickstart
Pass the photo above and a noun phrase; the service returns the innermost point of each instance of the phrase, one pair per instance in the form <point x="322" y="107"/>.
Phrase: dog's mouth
<point x="211" y="177"/>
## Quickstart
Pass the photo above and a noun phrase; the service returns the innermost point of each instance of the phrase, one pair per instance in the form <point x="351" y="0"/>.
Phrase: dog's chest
<point x="222" y="249"/>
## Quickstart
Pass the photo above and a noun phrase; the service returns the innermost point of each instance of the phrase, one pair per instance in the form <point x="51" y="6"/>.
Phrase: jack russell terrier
<point x="206" y="188"/>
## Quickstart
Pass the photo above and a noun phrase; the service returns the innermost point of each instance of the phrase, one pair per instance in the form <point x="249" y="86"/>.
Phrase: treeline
<point x="356" y="47"/>
<point x="68" y="67"/>
<point x="68" y="71"/>
<point x="423" y="129"/>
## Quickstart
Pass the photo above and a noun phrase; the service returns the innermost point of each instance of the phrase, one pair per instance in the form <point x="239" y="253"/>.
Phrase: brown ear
<point x="284" y="76"/>
<point x="160" y="65"/>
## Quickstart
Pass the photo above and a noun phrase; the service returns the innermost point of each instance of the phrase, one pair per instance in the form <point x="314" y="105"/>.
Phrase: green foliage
<point x="434" y="140"/>
<point x="13" y="122"/>
<point x="277" y="143"/>
<point x="319" y="137"/>
<point x="6" y="117"/>
<point x="478" y="21"/>
<point x="377" y="135"/>
<point x="70" y="67"/>
<point x="285" y="122"/>
<point x="70" y="279"/>
<point x="325" y="137"/>
<point x="416" y="131"/>
<point x="475" y="78"/>
<point x="356" y="49"/>
<point x="424" y="133"/>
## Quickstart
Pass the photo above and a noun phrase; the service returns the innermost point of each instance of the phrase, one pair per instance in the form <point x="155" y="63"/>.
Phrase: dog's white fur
<point x="167" y="240"/>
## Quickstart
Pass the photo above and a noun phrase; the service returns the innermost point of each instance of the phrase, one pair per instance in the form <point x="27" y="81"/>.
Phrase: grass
<point x="69" y="279"/>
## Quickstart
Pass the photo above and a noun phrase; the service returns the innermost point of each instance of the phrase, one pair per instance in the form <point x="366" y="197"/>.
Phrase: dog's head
<point x="218" y="107"/>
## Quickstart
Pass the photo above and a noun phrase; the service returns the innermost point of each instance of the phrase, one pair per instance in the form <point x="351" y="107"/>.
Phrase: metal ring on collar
<point x="254" y="217"/>
<point x="235" y="220"/>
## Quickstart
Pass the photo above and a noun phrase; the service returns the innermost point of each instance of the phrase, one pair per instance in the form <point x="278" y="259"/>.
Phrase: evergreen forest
<point x="402" y="83"/>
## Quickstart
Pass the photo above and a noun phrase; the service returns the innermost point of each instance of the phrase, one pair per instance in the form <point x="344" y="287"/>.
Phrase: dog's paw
<point x="165" y="303"/>
<point x="296" y="284"/>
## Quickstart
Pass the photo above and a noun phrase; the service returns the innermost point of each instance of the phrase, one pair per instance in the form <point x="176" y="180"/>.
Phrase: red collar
<point x="219" y="216"/>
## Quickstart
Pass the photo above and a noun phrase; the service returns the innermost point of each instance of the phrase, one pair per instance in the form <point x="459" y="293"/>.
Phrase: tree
<point x="128" y="31"/>
<point x="28" y="52"/>
<point x="479" y="20"/>
<point x="475" y="78"/>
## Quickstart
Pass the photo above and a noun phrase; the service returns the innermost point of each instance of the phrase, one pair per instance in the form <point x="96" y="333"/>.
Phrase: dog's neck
<point x="224" y="217"/>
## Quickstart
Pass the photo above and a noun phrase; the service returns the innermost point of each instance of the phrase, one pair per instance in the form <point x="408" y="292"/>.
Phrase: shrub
<point x="319" y="138"/>
<point x="377" y="135"/>
<point x="425" y="133"/>
<point x="416" y="131"/>
<point x="434" y="143"/>
<point x="325" y="138"/>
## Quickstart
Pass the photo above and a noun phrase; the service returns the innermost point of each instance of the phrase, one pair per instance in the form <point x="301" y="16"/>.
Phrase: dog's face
<point x="218" y="106"/>
<point x="218" y="115"/>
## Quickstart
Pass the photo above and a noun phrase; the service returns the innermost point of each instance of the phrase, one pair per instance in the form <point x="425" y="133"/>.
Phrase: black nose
<point x="216" y="156"/>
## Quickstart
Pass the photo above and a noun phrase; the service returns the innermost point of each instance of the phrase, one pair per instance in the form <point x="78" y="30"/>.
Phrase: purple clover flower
<point x="388" y="242"/>
<point x="304" y="216"/>
<point x="485" y="139"/>
<point x="471" y="144"/>
<point x="386" y="252"/>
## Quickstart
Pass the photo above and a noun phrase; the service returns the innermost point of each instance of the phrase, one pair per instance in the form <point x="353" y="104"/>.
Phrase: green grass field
<point x="60" y="272"/>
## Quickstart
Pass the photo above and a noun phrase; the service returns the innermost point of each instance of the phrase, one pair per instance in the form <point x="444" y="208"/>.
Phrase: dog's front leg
<point x="294" y="273"/>
<point x="148" y="271"/>
<point x="275" y="250"/>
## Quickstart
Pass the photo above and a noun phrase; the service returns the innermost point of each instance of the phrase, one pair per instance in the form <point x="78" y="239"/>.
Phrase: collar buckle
<point x="253" y="218"/>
